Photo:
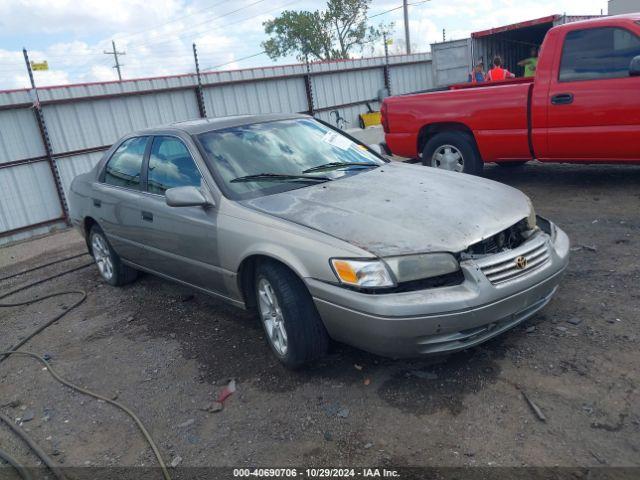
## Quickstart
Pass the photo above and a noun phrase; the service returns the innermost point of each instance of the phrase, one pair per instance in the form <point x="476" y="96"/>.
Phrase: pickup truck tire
<point x="111" y="268"/>
<point x="459" y="147"/>
<point x="290" y="319"/>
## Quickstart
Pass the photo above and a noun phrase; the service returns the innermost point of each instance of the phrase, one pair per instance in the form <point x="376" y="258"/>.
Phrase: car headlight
<point x="393" y="270"/>
<point x="362" y="273"/>
<point x="416" y="267"/>
<point x="531" y="219"/>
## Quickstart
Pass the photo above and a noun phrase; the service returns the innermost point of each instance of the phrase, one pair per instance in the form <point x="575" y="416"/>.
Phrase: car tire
<point x="457" y="150"/>
<point x="512" y="164"/>
<point x="111" y="268"/>
<point x="291" y="314"/>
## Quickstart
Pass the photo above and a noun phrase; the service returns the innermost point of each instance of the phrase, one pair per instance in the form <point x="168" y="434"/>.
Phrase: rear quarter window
<point x="124" y="168"/>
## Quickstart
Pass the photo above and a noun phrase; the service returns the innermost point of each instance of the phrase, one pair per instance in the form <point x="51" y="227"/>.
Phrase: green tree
<point x="328" y="34"/>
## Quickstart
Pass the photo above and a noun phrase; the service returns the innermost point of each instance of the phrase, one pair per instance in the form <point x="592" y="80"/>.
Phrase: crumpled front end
<point x="498" y="290"/>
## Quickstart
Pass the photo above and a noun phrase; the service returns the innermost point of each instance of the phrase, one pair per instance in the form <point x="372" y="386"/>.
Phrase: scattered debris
<point x="328" y="437"/>
<point x="367" y="381"/>
<point x="189" y="422"/>
<point x="609" y="427"/>
<point x="227" y="391"/>
<point x="574" y="321"/>
<point x="213" y="407"/>
<point x="367" y="446"/>
<point x="562" y="329"/>
<point x="27" y="416"/>
<point x="530" y="329"/>
<point x="591" y="248"/>
<point x="343" y="413"/>
<point x="601" y="461"/>
<point x="357" y="367"/>
<point x="422" y="374"/>
<point x="535" y="408"/>
<point x="176" y="461"/>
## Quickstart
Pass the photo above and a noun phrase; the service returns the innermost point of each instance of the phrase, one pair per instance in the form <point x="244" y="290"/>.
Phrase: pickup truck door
<point x="180" y="242"/>
<point x="593" y="103"/>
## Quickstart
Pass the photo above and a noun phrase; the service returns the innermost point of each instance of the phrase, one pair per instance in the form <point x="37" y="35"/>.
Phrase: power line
<point x="203" y="23"/>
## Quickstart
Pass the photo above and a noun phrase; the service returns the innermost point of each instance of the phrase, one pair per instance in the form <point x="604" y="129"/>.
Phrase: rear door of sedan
<point x="180" y="242"/>
<point x="115" y="197"/>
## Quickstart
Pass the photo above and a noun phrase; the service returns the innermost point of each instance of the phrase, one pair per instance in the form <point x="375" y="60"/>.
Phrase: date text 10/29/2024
<point x="315" y="472"/>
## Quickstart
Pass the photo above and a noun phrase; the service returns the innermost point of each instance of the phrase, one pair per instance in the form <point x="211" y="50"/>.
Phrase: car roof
<point x="201" y="125"/>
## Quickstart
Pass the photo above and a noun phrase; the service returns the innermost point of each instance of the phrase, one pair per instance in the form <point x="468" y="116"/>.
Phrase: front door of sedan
<point x="180" y="242"/>
<point x="594" y="103"/>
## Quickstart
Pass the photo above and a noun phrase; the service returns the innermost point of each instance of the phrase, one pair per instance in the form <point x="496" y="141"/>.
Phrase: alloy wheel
<point x="102" y="256"/>
<point x="272" y="317"/>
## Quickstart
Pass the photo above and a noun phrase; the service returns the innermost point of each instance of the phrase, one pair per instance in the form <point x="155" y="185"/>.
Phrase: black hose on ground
<point x="119" y="405"/>
<point x="55" y="469"/>
<point x="82" y="293"/>
<point x="13" y="351"/>
<point x="44" y="265"/>
<point x="22" y="472"/>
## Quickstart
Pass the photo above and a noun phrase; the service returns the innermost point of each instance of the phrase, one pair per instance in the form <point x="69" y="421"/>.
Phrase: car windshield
<point x="261" y="158"/>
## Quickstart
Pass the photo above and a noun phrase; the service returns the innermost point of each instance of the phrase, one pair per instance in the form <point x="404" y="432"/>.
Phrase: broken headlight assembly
<point x="392" y="271"/>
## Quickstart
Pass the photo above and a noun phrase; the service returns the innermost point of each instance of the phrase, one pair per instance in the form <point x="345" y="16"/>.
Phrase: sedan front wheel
<point x="288" y="315"/>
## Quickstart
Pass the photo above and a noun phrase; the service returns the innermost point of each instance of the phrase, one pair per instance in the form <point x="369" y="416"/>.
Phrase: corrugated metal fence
<point x="81" y="121"/>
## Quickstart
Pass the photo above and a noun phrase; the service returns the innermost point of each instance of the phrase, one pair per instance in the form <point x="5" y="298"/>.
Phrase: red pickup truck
<point x="583" y="105"/>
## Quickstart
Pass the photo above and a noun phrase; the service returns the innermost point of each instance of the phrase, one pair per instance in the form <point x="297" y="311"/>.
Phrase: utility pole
<point x="407" y="40"/>
<point x="199" y="94"/>
<point x="444" y="35"/>
<point x="115" y="54"/>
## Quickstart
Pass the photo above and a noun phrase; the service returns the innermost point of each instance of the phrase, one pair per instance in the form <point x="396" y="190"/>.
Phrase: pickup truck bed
<point x="583" y="105"/>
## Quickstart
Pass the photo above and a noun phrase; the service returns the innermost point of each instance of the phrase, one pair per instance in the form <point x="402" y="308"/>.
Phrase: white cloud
<point x="157" y="36"/>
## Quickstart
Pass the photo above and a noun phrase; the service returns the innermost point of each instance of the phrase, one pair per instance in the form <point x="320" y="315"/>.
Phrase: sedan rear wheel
<point x="111" y="268"/>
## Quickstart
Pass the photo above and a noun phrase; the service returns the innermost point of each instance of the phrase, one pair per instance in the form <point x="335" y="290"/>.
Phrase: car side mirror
<point x="634" y="67"/>
<point x="186" y="197"/>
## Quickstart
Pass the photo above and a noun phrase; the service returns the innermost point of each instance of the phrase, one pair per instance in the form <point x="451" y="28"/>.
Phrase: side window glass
<point x="171" y="165"/>
<point x="124" y="167"/>
<point x="598" y="53"/>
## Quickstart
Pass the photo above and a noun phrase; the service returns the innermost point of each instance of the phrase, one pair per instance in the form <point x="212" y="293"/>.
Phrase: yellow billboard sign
<point x="39" y="65"/>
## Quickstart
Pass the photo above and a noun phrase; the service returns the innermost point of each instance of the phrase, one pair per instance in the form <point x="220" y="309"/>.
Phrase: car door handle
<point x="562" y="99"/>
<point x="147" y="216"/>
<point x="97" y="203"/>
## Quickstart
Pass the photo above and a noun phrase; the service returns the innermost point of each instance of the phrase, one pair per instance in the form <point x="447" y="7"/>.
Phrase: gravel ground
<point x="167" y="352"/>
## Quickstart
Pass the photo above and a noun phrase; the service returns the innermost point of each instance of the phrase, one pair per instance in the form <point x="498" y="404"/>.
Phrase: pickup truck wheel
<point x="290" y="319"/>
<point x="111" y="268"/>
<point x="454" y="151"/>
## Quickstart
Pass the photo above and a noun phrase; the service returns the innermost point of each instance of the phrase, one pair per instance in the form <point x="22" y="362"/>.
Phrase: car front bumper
<point x="444" y="319"/>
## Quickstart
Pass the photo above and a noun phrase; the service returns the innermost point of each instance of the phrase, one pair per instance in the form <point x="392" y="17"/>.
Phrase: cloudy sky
<point x="157" y="34"/>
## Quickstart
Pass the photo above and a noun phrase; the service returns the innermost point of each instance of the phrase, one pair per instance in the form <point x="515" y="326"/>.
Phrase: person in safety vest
<point x="497" y="72"/>
<point x="477" y="74"/>
<point x="530" y="63"/>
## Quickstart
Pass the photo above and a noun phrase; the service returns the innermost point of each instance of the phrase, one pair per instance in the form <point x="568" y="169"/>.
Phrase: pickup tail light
<point x="383" y="117"/>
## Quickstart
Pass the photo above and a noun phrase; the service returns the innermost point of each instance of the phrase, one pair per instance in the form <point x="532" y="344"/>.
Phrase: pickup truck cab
<point x="582" y="105"/>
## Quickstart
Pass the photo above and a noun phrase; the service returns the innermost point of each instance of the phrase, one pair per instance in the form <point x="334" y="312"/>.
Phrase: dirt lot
<point x="167" y="352"/>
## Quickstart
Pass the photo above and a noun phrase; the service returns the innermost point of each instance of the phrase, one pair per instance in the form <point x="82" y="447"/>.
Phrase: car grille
<point x="513" y="266"/>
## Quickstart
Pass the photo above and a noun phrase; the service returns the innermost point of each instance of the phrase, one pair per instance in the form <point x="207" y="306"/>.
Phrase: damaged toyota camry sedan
<point x="322" y="236"/>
